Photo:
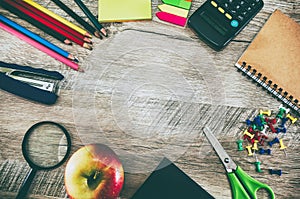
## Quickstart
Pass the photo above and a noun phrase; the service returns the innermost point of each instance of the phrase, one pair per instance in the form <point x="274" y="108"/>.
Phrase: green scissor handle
<point x="241" y="179"/>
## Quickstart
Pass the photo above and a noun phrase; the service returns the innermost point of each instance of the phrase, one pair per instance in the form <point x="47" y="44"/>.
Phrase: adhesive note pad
<point x="124" y="10"/>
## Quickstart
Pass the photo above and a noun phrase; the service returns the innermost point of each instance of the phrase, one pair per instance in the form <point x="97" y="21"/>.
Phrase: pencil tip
<point x="76" y="59"/>
<point x="104" y="32"/>
<point x="97" y="34"/>
<point x="87" y="46"/>
<point x="80" y="70"/>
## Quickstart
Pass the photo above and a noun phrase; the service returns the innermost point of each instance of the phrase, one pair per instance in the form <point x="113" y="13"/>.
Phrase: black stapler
<point x="38" y="85"/>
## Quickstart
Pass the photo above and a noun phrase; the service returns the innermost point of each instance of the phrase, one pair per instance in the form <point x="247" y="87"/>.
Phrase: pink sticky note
<point x="171" y="18"/>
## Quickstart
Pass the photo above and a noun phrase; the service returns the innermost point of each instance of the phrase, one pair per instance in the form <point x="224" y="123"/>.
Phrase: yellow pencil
<point x="57" y="17"/>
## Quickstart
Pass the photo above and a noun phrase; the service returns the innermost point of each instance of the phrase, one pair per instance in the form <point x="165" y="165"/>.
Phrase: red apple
<point x="94" y="172"/>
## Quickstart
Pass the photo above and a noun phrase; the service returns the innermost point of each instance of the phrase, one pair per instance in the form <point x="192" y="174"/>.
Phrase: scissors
<point x="242" y="185"/>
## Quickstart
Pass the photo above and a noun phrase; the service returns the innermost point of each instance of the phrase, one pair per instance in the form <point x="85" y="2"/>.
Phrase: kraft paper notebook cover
<point x="124" y="10"/>
<point x="272" y="59"/>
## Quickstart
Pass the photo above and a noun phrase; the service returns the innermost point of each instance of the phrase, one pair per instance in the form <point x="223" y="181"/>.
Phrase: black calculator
<point x="217" y="22"/>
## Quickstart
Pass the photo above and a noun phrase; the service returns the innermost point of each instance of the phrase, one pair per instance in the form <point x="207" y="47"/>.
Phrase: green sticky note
<point x="124" y="10"/>
<point x="186" y="4"/>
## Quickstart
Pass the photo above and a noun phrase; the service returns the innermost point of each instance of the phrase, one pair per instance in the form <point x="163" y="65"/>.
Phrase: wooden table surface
<point x="147" y="92"/>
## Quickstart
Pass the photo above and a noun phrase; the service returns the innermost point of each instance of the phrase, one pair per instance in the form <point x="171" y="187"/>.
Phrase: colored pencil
<point x="41" y="47"/>
<point x="53" y="21"/>
<point x="70" y="12"/>
<point x="37" y="38"/>
<point x="35" y="23"/>
<point x="59" y="18"/>
<point x="50" y="25"/>
<point x="92" y="18"/>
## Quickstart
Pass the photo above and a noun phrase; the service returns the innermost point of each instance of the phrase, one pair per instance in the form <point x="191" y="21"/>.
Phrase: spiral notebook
<point x="273" y="59"/>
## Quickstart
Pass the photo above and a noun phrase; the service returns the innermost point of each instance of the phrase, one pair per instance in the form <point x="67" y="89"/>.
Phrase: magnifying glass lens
<point x="46" y="145"/>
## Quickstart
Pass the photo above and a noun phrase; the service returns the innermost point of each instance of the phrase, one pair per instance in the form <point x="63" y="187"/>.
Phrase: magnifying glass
<point x="46" y="145"/>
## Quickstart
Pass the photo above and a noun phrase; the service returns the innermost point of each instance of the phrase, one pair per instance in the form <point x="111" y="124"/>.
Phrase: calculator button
<point x="228" y="16"/>
<point x="240" y="17"/>
<point x="234" y="23"/>
<point x="221" y="10"/>
<point x="214" y="4"/>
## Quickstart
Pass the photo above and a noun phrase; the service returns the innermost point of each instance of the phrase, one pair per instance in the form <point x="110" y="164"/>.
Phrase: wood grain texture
<point x="150" y="55"/>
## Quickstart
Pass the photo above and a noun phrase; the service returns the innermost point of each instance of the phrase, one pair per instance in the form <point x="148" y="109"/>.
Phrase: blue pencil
<point x="37" y="38"/>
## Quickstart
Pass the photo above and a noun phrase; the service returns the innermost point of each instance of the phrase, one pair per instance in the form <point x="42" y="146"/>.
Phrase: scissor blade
<point x="225" y="158"/>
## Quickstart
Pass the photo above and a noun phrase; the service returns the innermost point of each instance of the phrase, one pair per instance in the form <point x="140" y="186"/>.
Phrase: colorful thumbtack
<point x="271" y="121"/>
<point x="265" y="151"/>
<point x="293" y="119"/>
<point x="286" y="110"/>
<point x="248" y="134"/>
<point x="283" y="122"/>
<point x="280" y="113"/>
<point x="254" y="147"/>
<point x="277" y="172"/>
<point x="267" y="112"/>
<point x="249" y="150"/>
<point x="240" y="145"/>
<point x="281" y="130"/>
<point x="272" y="128"/>
<point x="257" y="165"/>
<point x="274" y="141"/>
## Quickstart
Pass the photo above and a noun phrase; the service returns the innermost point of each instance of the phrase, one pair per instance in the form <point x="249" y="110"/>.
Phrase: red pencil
<point x="54" y="21"/>
<point x="47" y="23"/>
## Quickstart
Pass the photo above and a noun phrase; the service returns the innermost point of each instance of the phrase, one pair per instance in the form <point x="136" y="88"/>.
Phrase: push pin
<point x="257" y="165"/>
<point x="240" y="145"/>
<point x="282" y="146"/>
<point x="249" y="150"/>
<point x="272" y="128"/>
<point x="286" y="110"/>
<point x="274" y="141"/>
<point x="248" y="134"/>
<point x="277" y="172"/>
<point x="265" y="151"/>
<point x="248" y="122"/>
<point x="283" y="122"/>
<point x="281" y="130"/>
<point x="254" y="147"/>
<point x="271" y="121"/>
<point x="267" y="112"/>
<point x="293" y="119"/>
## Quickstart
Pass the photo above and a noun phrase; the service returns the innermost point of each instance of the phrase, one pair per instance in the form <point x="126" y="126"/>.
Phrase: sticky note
<point x="174" y="10"/>
<point x="185" y="4"/>
<point x="124" y="10"/>
<point x="171" y="18"/>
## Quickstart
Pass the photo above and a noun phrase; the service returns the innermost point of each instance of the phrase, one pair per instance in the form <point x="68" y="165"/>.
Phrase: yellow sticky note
<point x="174" y="10"/>
<point x="124" y="10"/>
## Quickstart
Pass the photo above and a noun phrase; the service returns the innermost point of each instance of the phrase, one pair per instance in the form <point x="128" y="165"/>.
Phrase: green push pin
<point x="257" y="165"/>
<point x="240" y="145"/>
<point x="280" y="113"/>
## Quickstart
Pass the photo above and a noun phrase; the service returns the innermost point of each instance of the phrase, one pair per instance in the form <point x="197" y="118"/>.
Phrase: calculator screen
<point x="214" y="23"/>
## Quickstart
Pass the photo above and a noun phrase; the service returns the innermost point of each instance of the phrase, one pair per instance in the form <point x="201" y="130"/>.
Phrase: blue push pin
<point x="248" y="122"/>
<point x="280" y="130"/>
<point x="276" y="140"/>
<point x="277" y="172"/>
<point x="283" y="121"/>
<point x="264" y="151"/>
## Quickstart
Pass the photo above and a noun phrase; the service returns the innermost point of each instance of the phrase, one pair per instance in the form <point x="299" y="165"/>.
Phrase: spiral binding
<point x="270" y="87"/>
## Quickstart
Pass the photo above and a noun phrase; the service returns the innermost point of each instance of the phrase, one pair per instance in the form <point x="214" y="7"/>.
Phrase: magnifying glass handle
<point x="26" y="184"/>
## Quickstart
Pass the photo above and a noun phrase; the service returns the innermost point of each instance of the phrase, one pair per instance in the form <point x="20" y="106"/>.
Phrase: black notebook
<point x="169" y="182"/>
<point x="273" y="59"/>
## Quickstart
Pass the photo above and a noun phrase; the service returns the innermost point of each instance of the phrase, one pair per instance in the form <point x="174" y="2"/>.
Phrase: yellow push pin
<point x="248" y="134"/>
<point x="255" y="145"/>
<point x="267" y="112"/>
<point x="249" y="150"/>
<point x="282" y="146"/>
<point x="293" y="119"/>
